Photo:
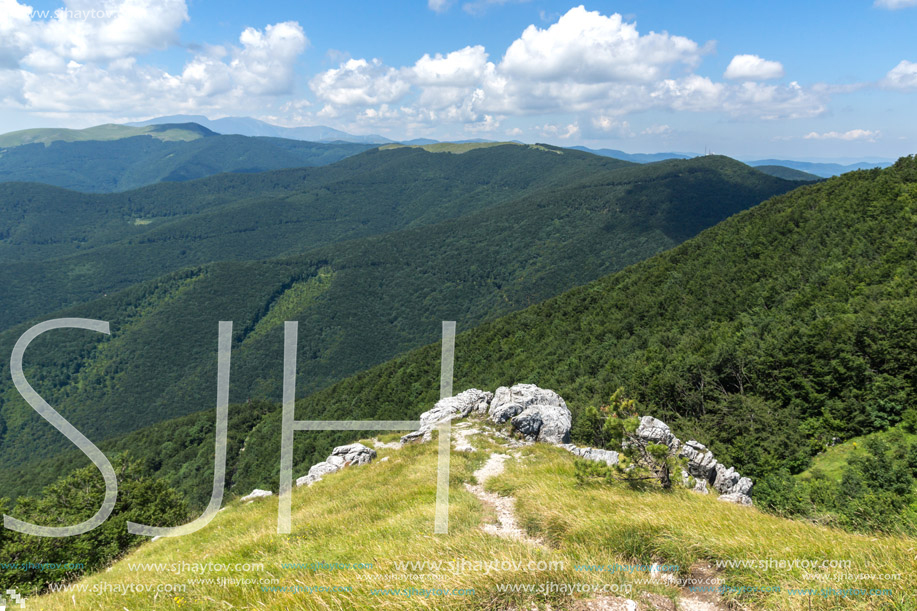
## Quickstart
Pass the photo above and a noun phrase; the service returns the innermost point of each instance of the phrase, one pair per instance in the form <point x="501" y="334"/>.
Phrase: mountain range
<point x="389" y="240"/>
<point x="247" y="126"/>
<point x="111" y="158"/>
<point x="764" y="312"/>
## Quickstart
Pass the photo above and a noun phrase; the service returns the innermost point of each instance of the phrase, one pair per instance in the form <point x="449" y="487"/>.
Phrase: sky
<point x="801" y="80"/>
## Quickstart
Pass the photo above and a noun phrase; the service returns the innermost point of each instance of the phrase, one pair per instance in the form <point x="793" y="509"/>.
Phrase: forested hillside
<point x="101" y="161"/>
<point x="61" y="248"/>
<point x="765" y="337"/>
<point x="359" y="302"/>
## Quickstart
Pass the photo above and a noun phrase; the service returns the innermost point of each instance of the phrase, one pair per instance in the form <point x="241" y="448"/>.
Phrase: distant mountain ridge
<point x="635" y="157"/>
<point x="817" y="169"/>
<point x="182" y="131"/>
<point x="824" y="170"/>
<point x="109" y="158"/>
<point x="247" y="126"/>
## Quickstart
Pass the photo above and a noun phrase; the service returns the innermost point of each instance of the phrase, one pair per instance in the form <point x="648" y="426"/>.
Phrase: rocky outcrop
<point x="536" y="413"/>
<point x="509" y="402"/>
<point x="544" y="423"/>
<point x="342" y="456"/>
<point x="541" y="415"/>
<point x="705" y="469"/>
<point x="657" y="431"/>
<point x="702" y="468"/>
<point x="461" y="405"/>
<point x="701" y="465"/>
<point x="609" y="457"/>
<point x="256" y="494"/>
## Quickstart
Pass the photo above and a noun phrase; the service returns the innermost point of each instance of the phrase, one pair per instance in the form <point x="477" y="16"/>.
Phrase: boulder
<point x="353" y="454"/>
<point x="341" y="456"/>
<point x="462" y="404"/>
<point x="466" y="402"/>
<point x="701" y="463"/>
<point x="734" y="497"/>
<point x="700" y="485"/>
<point x="544" y="423"/>
<point x="656" y="431"/>
<point x="609" y="457"/>
<point x="256" y="494"/>
<point x="509" y="402"/>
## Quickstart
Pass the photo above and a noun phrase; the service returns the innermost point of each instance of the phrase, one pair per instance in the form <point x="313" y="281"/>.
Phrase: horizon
<point x="640" y="77"/>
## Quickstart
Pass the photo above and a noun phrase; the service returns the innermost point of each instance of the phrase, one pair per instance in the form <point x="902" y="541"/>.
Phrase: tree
<point x="640" y="460"/>
<point x="75" y="498"/>
<point x="909" y="420"/>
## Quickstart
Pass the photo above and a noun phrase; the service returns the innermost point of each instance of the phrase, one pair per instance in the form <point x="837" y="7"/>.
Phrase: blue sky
<point x="802" y="79"/>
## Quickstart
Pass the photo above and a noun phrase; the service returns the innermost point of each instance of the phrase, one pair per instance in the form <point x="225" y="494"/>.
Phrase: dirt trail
<point x="503" y="506"/>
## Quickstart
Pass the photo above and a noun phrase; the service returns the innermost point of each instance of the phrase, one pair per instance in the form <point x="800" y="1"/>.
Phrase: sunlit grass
<point x="383" y="513"/>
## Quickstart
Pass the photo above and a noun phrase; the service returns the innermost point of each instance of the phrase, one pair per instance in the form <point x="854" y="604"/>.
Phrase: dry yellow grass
<point x="382" y="514"/>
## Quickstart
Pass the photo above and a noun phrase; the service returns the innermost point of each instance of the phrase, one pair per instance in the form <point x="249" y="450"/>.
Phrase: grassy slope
<point x="107" y="132"/>
<point x="832" y="461"/>
<point x="383" y="513"/>
<point x="383" y="296"/>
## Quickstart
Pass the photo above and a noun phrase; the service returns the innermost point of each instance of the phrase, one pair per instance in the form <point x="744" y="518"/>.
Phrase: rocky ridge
<point x="541" y="415"/>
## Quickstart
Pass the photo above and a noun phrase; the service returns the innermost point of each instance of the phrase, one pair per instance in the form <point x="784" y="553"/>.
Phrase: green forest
<point x="772" y="336"/>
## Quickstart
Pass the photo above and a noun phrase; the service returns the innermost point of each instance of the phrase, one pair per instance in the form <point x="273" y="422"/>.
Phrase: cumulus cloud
<point x="464" y="67"/>
<point x="265" y="63"/>
<point x="593" y="66"/>
<point x="83" y="58"/>
<point x="753" y="68"/>
<point x="605" y="126"/>
<point x="903" y="76"/>
<point x="853" y="134"/>
<point x="656" y="130"/>
<point x="586" y="70"/>
<point x="588" y="47"/>
<point x="84" y="31"/>
<point x="262" y="66"/>
<point x="893" y="5"/>
<point x="564" y="132"/>
<point x="360" y="82"/>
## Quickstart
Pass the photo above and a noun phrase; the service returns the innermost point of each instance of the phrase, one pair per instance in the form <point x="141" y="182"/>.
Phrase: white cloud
<point x="753" y="68"/>
<point x="586" y="64"/>
<point x="360" y="82"/>
<point x="83" y="59"/>
<point x="265" y="64"/>
<point x="604" y="126"/>
<point x="586" y="72"/>
<point x="438" y="6"/>
<point x="774" y="101"/>
<point x="588" y="47"/>
<point x="84" y="31"/>
<point x="656" y="130"/>
<point x="464" y="67"/>
<point x="565" y="132"/>
<point x="893" y="5"/>
<point x="903" y="76"/>
<point x="853" y="134"/>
